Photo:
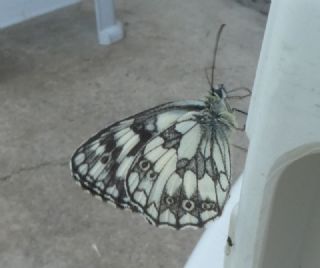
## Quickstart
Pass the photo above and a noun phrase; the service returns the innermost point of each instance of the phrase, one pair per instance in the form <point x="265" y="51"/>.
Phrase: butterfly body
<point x="171" y="163"/>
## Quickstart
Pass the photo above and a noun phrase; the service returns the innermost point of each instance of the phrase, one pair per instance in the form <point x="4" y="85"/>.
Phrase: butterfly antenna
<point x="215" y="54"/>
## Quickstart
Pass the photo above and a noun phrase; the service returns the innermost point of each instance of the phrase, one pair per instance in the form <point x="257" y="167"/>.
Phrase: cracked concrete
<point x="58" y="86"/>
<point x="38" y="166"/>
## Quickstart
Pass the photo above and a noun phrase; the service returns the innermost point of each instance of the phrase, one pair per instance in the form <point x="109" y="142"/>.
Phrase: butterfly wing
<point x="100" y="164"/>
<point x="181" y="177"/>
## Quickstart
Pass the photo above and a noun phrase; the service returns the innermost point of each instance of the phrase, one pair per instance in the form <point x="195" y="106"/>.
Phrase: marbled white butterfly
<point x="171" y="163"/>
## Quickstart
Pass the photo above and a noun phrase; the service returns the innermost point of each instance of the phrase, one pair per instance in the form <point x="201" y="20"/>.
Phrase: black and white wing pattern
<point x="181" y="177"/>
<point x="100" y="164"/>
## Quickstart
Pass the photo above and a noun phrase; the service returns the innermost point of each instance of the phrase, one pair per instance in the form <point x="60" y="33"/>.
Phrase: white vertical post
<point x="277" y="220"/>
<point x="109" y="29"/>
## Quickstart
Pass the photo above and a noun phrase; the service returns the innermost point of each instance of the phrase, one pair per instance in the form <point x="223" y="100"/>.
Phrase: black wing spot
<point x="182" y="166"/>
<point x="144" y="164"/>
<point x="208" y="206"/>
<point x="116" y="152"/>
<point x="144" y="136"/>
<point x="171" y="138"/>
<point x="170" y="200"/>
<point x="104" y="159"/>
<point x="137" y="127"/>
<point x="110" y="144"/>
<point x="188" y="205"/>
<point x="196" y="165"/>
<point x="151" y="175"/>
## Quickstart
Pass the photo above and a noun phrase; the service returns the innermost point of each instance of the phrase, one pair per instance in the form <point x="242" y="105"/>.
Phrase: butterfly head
<point x="217" y="109"/>
<point x="219" y="91"/>
<point x="216" y="99"/>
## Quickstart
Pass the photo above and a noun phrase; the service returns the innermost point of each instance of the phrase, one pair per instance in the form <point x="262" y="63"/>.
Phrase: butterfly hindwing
<point x="101" y="163"/>
<point x="181" y="177"/>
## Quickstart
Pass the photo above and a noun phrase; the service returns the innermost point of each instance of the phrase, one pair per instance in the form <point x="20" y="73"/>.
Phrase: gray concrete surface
<point x="58" y="86"/>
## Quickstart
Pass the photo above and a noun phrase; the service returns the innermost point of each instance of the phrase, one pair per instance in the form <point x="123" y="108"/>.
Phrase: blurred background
<point x="58" y="86"/>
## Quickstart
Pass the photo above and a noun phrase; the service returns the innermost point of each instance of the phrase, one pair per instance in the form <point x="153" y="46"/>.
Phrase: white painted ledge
<point x="278" y="219"/>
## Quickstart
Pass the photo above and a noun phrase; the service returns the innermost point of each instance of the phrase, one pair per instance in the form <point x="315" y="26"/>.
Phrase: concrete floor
<point x="58" y="86"/>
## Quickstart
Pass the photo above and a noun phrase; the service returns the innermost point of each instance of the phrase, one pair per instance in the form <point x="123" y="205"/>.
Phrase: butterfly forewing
<point x="181" y="177"/>
<point x="101" y="163"/>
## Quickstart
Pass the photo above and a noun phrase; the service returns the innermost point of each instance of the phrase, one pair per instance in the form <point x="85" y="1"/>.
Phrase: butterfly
<point x="171" y="163"/>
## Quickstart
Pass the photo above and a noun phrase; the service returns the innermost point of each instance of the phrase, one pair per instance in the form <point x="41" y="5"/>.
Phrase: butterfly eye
<point x="151" y="175"/>
<point x="144" y="165"/>
<point x="104" y="159"/>
<point x="169" y="200"/>
<point x="187" y="205"/>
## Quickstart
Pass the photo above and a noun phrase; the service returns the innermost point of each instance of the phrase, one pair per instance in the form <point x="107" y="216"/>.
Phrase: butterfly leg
<point x="239" y="111"/>
<point x="207" y="75"/>
<point x="243" y="128"/>
<point x="240" y="148"/>
<point x="239" y="97"/>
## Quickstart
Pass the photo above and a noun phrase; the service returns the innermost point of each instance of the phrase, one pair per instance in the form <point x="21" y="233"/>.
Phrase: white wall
<point x="15" y="11"/>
